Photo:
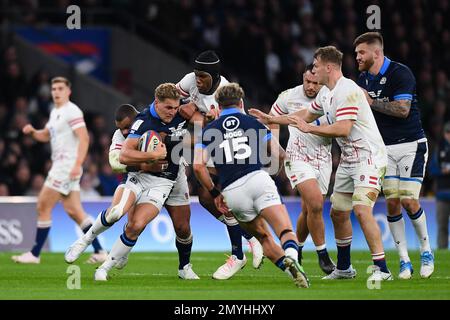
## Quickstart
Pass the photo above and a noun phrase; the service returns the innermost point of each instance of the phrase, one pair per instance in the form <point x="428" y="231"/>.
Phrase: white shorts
<point x="58" y="179"/>
<point x="406" y="169"/>
<point x="249" y="195"/>
<point x="149" y="189"/>
<point x="300" y="171"/>
<point x="179" y="196"/>
<point x="363" y="175"/>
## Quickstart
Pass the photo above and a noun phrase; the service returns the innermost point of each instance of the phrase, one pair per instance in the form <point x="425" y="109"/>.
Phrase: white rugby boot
<point x="75" y="250"/>
<point x="257" y="252"/>
<point x="187" y="273"/>
<point x="26" y="258"/>
<point x="229" y="269"/>
<point x="350" y="273"/>
<point x="406" y="270"/>
<point x="427" y="264"/>
<point x="99" y="257"/>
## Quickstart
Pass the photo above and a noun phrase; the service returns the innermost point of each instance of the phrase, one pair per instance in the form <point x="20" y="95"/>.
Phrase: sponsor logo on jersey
<point x="383" y="80"/>
<point x="231" y="123"/>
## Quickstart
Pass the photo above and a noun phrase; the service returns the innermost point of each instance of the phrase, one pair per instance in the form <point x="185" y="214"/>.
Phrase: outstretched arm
<point x="340" y="128"/>
<point x="42" y="135"/>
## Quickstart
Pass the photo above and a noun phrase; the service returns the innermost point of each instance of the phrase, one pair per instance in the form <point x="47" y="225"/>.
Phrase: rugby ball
<point x="148" y="141"/>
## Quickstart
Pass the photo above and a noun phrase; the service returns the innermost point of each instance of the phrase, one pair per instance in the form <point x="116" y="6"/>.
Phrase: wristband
<point x="214" y="192"/>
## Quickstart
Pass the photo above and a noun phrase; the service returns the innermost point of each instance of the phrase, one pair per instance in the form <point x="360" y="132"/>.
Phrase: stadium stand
<point x="265" y="46"/>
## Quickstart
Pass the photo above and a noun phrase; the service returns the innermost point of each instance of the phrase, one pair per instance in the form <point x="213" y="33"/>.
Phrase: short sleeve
<point x="75" y="118"/>
<point x="316" y="106"/>
<point x="279" y="107"/>
<point x="137" y="129"/>
<point x="117" y="141"/>
<point x="184" y="84"/>
<point x="403" y="84"/>
<point x="347" y="104"/>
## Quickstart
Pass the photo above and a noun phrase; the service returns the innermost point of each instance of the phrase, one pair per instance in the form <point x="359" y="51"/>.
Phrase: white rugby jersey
<point x="61" y="125"/>
<point x="188" y="89"/>
<point x="364" y="145"/>
<point x="315" y="150"/>
<point x="117" y="141"/>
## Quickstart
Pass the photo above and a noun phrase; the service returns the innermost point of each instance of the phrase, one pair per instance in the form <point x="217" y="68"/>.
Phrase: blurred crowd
<point x="263" y="44"/>
<point x="24" y="163"/>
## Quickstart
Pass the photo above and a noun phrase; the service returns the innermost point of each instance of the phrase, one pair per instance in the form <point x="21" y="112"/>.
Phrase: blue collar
<point x="383" y="69"/>
<point x="228" y="111"/>
<point x="153" y="111"/>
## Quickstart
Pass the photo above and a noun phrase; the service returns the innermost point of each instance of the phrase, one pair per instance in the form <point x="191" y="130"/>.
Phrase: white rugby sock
<point x="119" y="250"/>
<point x="97" y="228"/>
<point x="419" y="222"/>
<point x="397" y="227"/>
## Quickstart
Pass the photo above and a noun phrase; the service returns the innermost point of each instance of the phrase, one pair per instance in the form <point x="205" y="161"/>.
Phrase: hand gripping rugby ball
<point x="148" y="141"/>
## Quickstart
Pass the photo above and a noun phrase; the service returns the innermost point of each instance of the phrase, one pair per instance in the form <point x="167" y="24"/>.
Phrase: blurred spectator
<point x="37" y="182"/>
<point x="262" y="44"/>
<point x="4" y="190"/>
<point x="87" y="190"/>
<point x="440" y="169"/>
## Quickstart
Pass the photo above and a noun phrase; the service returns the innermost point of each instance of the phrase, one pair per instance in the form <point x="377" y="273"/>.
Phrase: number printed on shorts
<point x="238" y="146"/>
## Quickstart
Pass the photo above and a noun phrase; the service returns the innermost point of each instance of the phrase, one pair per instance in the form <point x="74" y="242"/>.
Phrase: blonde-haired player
<point x="69" y="140"/>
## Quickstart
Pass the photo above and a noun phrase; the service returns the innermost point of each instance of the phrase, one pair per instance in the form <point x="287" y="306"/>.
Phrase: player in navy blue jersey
<point x="149" y="191"/>
<point x="177" y="204"/>
<point x="237" y="144"/>
<point x="390" y="89"/>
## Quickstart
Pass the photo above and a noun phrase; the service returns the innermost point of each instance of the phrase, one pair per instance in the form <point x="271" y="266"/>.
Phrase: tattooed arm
<point x="397" y="108"/>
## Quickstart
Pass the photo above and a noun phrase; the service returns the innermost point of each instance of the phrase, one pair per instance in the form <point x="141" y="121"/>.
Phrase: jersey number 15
<point x="236" y="144"/>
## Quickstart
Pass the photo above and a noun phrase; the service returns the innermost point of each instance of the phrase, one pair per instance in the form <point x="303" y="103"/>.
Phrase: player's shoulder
<point x="71" y="107"/>
<point x="399" y="69"/>
<point x="118" y="135"/>
<point x="348" y="85"/>
<point x="188" y="79"/>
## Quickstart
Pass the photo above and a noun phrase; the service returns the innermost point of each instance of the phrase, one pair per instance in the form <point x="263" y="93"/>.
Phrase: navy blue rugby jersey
<point x="148" y="119"/>
<point x="237" y="144"/>
<point x="395" y="81"/>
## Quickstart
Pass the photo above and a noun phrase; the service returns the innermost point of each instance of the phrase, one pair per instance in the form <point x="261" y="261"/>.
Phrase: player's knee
<point x="315" y="208"/>
<point x="341" y="202"/>
<point x="182" y="230"/>
<point x="393" y="206"/>
<point x="410" y="205"/>
<point x="364" y="196"/>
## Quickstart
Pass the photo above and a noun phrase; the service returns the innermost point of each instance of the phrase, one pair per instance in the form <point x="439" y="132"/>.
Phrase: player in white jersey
<point x="177" y="203"/>
<point x="69" y="140"/>
<point x="200" y="86"/>
<point x="363" y="159"/>
<point x="308" y="165"/>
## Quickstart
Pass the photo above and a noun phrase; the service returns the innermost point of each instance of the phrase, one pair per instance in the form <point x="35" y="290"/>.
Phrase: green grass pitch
<point x="154" y="276"/>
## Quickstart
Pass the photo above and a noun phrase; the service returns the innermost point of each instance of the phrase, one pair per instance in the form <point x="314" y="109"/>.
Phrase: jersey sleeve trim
<point x="268" y="137"/>
<point x="183" y="92"/>
<point x="134" y="135"/>
<point x="77" y="123"/>
<point x="347" y="111"/>
<point x="405" y="96"/>
<point x="278" y="110"/>
<point x="347" y="116"/>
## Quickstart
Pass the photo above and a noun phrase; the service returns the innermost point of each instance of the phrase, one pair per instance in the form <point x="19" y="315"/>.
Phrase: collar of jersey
<point x="153" y="111"/>
<point x="226" y="112"/>
<point x="383" y="69"/>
